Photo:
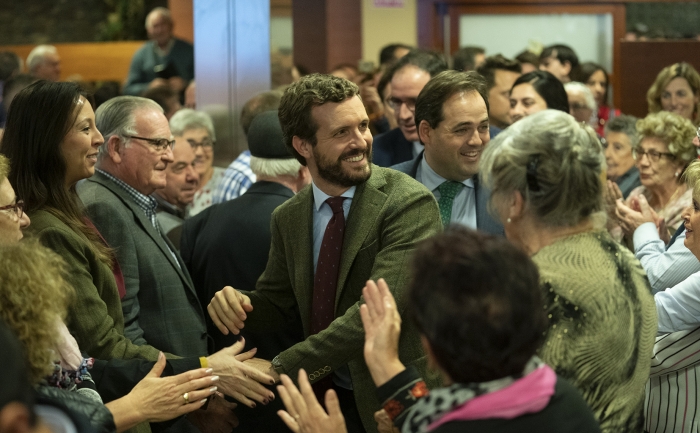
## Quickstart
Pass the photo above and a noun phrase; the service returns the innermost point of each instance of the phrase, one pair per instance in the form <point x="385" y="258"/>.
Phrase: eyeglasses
<point x="577" y="107"/>
<point x="396" y="103"/>
<point x="207" y="142"/>
<point x="653" y="155"/>
<point x="160" y="144"/>
<point x="17" y="208"/>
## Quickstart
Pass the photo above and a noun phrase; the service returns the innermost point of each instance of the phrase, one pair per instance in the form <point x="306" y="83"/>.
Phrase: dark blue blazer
<point x="484" y="221"/>
<point x="391" y="148"/>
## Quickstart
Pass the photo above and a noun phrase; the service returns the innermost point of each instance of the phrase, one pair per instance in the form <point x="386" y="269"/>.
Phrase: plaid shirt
<point x="146" y="203"/>
<point x="237" y="179"/>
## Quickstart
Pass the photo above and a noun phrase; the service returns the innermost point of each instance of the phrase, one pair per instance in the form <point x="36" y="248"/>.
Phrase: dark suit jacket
<point x="390" y="213"/>
<point x="228" y="244"/>
<point x="484" y="221"/>
<point x="161" y="305"/>
<point x="391" y="148"/>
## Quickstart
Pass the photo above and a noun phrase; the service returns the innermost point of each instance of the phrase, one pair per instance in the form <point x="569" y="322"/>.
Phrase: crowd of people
<point x="483" y="243"/>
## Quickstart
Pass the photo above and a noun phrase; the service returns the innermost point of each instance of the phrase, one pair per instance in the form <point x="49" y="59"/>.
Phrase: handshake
<point x="241" y="375"/>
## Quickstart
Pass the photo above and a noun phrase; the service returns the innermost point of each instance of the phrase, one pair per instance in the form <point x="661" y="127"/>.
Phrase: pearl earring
<point x="508" y="220"/>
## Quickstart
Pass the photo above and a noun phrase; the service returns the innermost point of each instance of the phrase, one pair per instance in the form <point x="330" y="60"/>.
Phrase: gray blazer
<point x="161" y="305"/>
<point x="484" y="221"/>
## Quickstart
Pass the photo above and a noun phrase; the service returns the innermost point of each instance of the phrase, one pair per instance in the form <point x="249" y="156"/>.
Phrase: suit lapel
<point x="299" y="231"/>
<point x="364" y="211"/>
<point x="145" y="225"/>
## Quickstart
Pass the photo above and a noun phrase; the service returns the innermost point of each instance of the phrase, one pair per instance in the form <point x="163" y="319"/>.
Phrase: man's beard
<point x="332" y="171"/>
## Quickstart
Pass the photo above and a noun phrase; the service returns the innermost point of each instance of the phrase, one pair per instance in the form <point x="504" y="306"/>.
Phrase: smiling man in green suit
<point x="355" y="222"/>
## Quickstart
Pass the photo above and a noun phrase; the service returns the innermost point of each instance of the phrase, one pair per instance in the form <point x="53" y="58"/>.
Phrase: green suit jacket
<point x="95" y="314"/>
<point x="390" y="213"/>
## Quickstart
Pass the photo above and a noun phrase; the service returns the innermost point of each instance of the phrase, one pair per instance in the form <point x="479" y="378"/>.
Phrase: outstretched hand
<point x="239" y="380"/>
<point x="382" y="324"/>
<point x="157" y="398"/>
<point x="304" y="414"/>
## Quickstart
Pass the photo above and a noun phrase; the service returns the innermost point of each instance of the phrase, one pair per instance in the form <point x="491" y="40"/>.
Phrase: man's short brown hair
<point x="440" y="88"/>
<point x="494" y="63"/>
<point x="311" y="91"/>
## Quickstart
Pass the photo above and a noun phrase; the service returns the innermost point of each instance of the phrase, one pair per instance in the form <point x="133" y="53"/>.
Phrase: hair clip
<point x="531" y="175"/>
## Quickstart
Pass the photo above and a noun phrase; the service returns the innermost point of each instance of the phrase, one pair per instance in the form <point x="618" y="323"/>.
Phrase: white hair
<point x="188" y="118"/>
<point x="116" y="117"/>
<point x="554" y="162"/>
<point x="576" y="87"/>
<point x="274" y="167"/>
<point x="37" y="55"/>
<point x="162" y="11"/>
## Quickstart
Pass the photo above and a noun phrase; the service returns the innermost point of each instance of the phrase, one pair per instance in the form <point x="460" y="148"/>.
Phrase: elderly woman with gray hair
<point x="198" y="129"/>
<point x="664" y="151"/>
<point x="582" y="104"/>
<point x="545" y="176"/>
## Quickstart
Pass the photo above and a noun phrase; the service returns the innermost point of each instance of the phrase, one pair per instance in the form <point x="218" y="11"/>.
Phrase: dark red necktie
<point x="326" y="281"/>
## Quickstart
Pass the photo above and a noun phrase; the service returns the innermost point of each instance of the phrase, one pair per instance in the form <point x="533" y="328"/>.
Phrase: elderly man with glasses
<point x="160" y="306"/>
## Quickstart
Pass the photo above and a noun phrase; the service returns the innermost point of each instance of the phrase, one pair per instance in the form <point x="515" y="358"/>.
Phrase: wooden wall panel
<point x="640" y="64"/>
<point x="93" y="61"/>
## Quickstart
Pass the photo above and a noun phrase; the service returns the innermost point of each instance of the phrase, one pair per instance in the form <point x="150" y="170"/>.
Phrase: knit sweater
<point x="602" y="324"/>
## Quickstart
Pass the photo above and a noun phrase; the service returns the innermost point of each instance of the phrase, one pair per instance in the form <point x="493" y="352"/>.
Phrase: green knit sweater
<point x="602" y="324"/>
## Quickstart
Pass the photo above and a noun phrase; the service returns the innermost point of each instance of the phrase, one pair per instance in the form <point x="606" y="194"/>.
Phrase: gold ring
<point x="186" y="397"/>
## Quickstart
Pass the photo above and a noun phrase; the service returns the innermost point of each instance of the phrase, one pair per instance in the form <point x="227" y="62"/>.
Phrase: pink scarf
<point x="529" y="394"/>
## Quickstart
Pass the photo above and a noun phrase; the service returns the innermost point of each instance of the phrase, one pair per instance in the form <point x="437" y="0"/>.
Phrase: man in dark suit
<point x="408" y="76"/>
<point x="453" y="123"/>
<point x="318" y="263"/>
<point x="228" y="245"/>
<point x="160" y="306"/>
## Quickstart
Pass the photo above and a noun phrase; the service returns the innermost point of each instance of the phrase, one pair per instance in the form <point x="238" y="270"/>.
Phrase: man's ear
<point x="424" y="132"/>
<point x="15" y="418"/>
<point x="302" y="147"/>
<point x="114" y="148"/>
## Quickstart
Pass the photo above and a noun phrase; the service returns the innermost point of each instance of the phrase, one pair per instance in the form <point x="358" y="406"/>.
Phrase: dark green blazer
<point x="95" y="314"/>
<point x="389" y="214"/>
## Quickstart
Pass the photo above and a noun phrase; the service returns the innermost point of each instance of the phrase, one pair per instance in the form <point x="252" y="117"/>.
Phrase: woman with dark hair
<point x="534" y="92"/>
<point x="52" y="143"/>
<point x="50" y="153"/>
<point x="482" y="337"/>
<point x="596" y="78"/>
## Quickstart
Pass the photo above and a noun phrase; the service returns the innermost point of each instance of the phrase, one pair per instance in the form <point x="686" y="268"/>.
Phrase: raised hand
<point x="382" y="325"/>
<point x="228" y="310"/>
<point x="304" y="414"/>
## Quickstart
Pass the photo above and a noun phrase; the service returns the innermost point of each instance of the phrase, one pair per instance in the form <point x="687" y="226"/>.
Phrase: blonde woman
<point x="676" y="89"/>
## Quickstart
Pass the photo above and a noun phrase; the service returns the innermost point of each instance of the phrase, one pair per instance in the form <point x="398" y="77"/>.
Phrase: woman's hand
<point x="304" y="414"/>
<point x="382" y="325"/>
<point x="611" y="193"/>
<point x="633" y="216"/>
<point x="156" y="399"/>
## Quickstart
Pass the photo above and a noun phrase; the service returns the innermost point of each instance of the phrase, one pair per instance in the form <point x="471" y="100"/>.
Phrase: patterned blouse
<point x="204" y="197"/>
<point x="602" y="324"/>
